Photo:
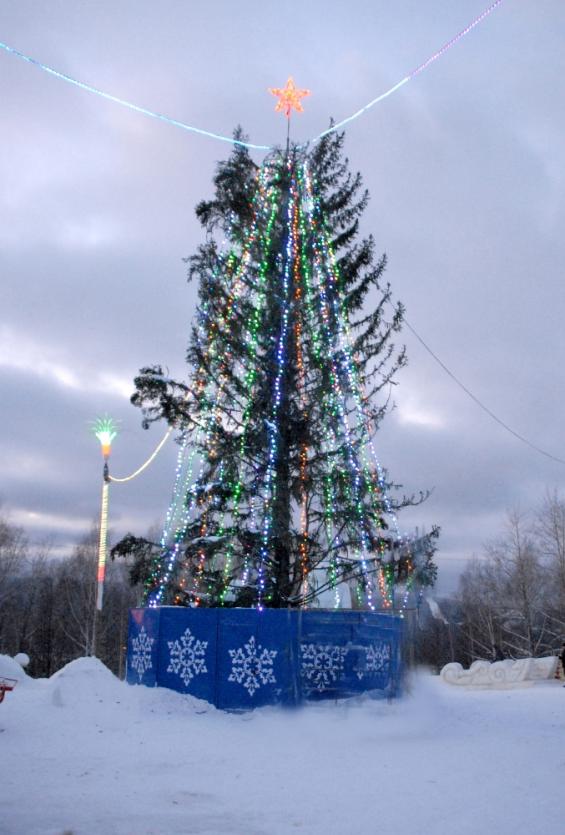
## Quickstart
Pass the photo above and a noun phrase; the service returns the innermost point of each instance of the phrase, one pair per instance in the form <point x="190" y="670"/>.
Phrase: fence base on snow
<point x="238" y="659"/>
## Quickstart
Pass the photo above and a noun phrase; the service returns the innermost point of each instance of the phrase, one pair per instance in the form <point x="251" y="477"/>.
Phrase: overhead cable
<point x="479" y="403"/>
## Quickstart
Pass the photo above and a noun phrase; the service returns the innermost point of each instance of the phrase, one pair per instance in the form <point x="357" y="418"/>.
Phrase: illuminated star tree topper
<point x="289" y="97"/>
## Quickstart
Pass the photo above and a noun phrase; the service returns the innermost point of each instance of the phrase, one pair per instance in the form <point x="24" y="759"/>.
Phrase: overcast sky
<point x="466" y="169"/>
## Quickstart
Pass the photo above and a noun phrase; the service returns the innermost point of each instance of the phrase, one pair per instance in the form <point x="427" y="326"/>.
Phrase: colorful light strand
<point x="251" y="342"/>
<point x="411" y="75"/>
<point x="338" y="391"/>
<point x="385" y="573"/>
<point x="306" y="335"/>
<point x="272" y="424"/>
<point x="211" y="337"/>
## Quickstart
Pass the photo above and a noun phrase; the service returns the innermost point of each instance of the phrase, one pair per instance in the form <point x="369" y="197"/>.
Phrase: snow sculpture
<point x="500" y="673"/>
<point x="22" y="658"/>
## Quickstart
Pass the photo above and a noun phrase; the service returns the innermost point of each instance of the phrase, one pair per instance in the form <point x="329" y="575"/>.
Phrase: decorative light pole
<point x="105" y="430"/>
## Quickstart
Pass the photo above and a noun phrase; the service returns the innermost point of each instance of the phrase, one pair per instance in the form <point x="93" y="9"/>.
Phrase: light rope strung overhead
<point x="146" y="463"/>
<point x="414" y="73"/>
<point x="220" y="137"/>
<point x="145" y="111"/>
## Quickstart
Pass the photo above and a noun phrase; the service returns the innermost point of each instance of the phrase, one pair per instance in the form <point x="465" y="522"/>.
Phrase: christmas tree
<point x="280" y="500"/>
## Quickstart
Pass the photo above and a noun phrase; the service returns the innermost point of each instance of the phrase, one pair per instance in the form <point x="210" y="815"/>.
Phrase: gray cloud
<point x="465" y="168"/>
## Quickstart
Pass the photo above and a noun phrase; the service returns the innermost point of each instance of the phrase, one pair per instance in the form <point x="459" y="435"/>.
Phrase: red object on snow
<point x="6" y="684"/>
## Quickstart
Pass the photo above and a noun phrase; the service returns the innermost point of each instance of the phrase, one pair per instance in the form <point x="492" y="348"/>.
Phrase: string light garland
<point x="338" y="400"/>
<point x="447" y="46"/>
<point x="311" y="315"/>
<point x="148" y="461"/>
<point x="281" y="280"/>
<point x="300" y="274"/>
<point x="222" y="138"/>
<point x="178" y="523"/>
<point x="352" y="479"/>
<point x="272" y="427"/>
<point x="137" y="108"/>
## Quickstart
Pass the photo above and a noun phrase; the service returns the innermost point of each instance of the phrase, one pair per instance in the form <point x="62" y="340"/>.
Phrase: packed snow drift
<point x="85" y="753"/>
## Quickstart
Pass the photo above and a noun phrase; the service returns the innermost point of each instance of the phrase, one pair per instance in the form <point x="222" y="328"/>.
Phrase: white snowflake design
<point x="322" y="664"/>
<point x="187" y="657"/>
<point x="254" y="667"/>
<point x="377" y="658"/>
<point x="141" y="655"/>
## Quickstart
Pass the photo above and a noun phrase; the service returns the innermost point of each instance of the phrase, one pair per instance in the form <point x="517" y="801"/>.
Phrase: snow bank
<point x="9" y="668"/>
<point x="104" y="756"/>
<point x="83" y="681"/>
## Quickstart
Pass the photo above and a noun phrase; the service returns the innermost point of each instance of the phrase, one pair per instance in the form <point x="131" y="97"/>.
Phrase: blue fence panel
<point x="143" y="646"/>
<point x="380" y="635"/>
<point x="323" y="643"/>
<point x="239" y="659"/>
<point x="188" y="651"/>
<point x="253" y="662"/>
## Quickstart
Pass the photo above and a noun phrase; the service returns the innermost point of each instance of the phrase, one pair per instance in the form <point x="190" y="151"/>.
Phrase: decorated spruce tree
<point x="280" y="500"/>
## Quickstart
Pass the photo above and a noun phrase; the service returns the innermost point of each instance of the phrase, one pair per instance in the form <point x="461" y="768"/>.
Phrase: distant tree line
<point x="510" y="602"/>
<point x="47" y="605"/>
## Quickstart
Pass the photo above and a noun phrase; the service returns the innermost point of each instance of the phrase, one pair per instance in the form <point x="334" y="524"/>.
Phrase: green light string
<point x="233" y="302"/>
<point x="340" y="396"/>
<point x="328" y="502"/>
<point x="320" y="356"/>
<point x="342" y="329"/>
<point x="316" y="359"/>
<point x="239" y="289"/>
<point x="338" y="408"/>
<point x="212" y="395"/>
<point x="181" y="489"/>
<point x="272" y="426"/>
<point x="250" y="372"/>
<point x="260" y="299"/>
<point x="386" y="576"/>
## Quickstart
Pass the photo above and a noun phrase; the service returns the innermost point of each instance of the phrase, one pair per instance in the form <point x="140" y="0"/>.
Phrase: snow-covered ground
<point x="85" y="753"/>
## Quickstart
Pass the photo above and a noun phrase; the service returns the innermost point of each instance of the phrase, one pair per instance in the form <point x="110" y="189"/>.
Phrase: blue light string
<point x="272" y="425"/>
<point x="137" y="108"/>
<point x="339" y="395"/>
<point x="413" y="74"/>
<point x="220" y="137"/>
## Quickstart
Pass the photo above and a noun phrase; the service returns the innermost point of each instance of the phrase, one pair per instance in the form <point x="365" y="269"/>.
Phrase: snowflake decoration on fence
<point x="322" y="665"/>
<point x="187" y="657"/>
<point x="141" y="655"/>
<point x="252" y="668"/>
<point x="377" y="659"/>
